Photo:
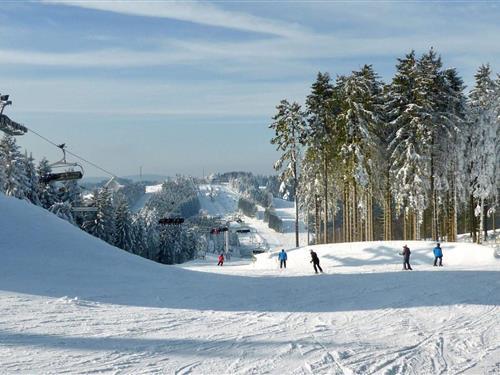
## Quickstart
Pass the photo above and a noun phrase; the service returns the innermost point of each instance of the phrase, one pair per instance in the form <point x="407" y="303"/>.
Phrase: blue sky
<point x="187" y="86"/>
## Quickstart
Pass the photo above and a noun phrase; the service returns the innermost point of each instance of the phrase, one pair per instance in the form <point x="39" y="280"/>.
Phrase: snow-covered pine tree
<point x="103" y="225"/>
<point x="483" y="125"/>
<point x="169" y="244"/>
<point x="409" y="164"/>
<point x="389" y="102"/>
<point x="123" y="235"/>
<point x="15" y="180"/>
<point x="309" y="191"/>
<point x="46" y="192"/>
<point x="149" y="218"/>
<point x="358" y="117"/>
<point x="31" y="179"/>
<point x="449" y="156"/>
<point x="320" y="115"/>
<point x="436" y="127"/>
<point x="139" y="235"/>
<point x="63" y="210"/>
<point x="71" y="193"/>
<point x="289" y="127"/>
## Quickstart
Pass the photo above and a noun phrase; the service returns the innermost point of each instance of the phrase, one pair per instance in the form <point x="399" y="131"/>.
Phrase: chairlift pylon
<point x="63" y="175"/>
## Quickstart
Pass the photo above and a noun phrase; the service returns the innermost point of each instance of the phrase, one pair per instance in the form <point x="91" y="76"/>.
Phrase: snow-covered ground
<point x="71" y="303"/>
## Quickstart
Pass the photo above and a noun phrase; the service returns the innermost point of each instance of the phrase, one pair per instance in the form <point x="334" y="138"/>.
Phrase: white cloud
<point x="113" y="97"/>
<point x="192" y="11"/>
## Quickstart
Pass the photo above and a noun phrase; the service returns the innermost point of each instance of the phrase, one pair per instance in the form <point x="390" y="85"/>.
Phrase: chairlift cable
<point x="72" y="153"/>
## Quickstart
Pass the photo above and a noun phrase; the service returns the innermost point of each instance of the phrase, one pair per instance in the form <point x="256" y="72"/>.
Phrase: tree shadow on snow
<point x="227" y="348"/>
<point x="176" y="288"/>
<point x="381" y="254"/>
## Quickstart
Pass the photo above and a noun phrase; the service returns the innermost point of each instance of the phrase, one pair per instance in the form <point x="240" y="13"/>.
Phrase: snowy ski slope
<point x="71" y="303"/>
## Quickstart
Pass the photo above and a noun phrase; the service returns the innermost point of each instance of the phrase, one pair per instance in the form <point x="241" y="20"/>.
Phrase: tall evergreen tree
<point x="123" y="235"/>
<point x="320" y="119"/>
<point x="483" y="122"/>
<point x="408" y="157"/>
<point x="70" y="192"/>
<point x="449" y="155"/>
<point x="46" y="192"/>
<point x="15" y="179"/>
<point x="358" y="116"/>
<point x="31" y="179"/>
<point x="102" y="224"/>
<point x="63" y="210"/>
<point x="289" y="127"/>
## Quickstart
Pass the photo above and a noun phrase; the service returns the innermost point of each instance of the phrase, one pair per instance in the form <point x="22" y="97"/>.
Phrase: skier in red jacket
<point x="221" y="260"/>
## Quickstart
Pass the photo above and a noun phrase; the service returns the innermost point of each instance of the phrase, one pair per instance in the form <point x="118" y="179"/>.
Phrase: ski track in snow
<point x="322" y="325"/>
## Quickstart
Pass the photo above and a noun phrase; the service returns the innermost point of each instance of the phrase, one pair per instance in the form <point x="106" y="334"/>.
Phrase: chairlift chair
<point x="171" y="221"/>
<point x="63" y="175"/>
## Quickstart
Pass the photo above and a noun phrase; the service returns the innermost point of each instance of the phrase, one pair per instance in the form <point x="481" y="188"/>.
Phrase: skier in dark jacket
<point x="438" y="254"/>
<point x="282" y="258"/>
<point x="315" y="262"/>
<point x="221" y="260"/>
<point x="406" y="258"/>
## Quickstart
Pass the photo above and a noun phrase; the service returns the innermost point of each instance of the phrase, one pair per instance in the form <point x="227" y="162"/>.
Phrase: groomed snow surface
<point x="71" y="303"/>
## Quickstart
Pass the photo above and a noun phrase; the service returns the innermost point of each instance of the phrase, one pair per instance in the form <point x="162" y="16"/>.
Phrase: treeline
<point x="417" y="150"/>
<point x="111" y="218"/>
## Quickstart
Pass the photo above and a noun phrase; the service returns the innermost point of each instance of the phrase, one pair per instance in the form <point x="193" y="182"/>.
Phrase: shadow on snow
<point x="172" y="287"/>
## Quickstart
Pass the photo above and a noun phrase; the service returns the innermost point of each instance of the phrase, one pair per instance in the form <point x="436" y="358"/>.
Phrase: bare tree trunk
<point x="481" y="223"/>
<point x="344" y="216"/>
<point x="333" y="223"/>
<point x="418" y="215"/>
<point x="325" y="213"/>
<point x="296" y="183"/>
<point x="493" y="224"/>
<point x="355" y="213"/>
<point x="388" y="215"/>
<point x="485" y="228"/>
<point x="404" y="226"/>
<point x="296" y="222"/>
<point x="472" y="223"/>
<point x="317" y="238"/>
<point x="307" y="224"/>
<point x="455" y="217"/>
<point x="372" y="230"/>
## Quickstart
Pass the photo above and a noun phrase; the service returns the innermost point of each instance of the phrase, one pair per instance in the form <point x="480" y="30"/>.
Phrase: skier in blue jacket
<point x="438" y="254"/>
<point x="282" y="257"/>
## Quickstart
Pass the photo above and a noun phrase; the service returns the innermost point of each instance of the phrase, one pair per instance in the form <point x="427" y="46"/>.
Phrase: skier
<point x="406" y="258"/>
<point x="221" y="259"/>
<point x="282" y="258"/>
<point x="315" y="262"/>
<point x="438" y="254"/>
